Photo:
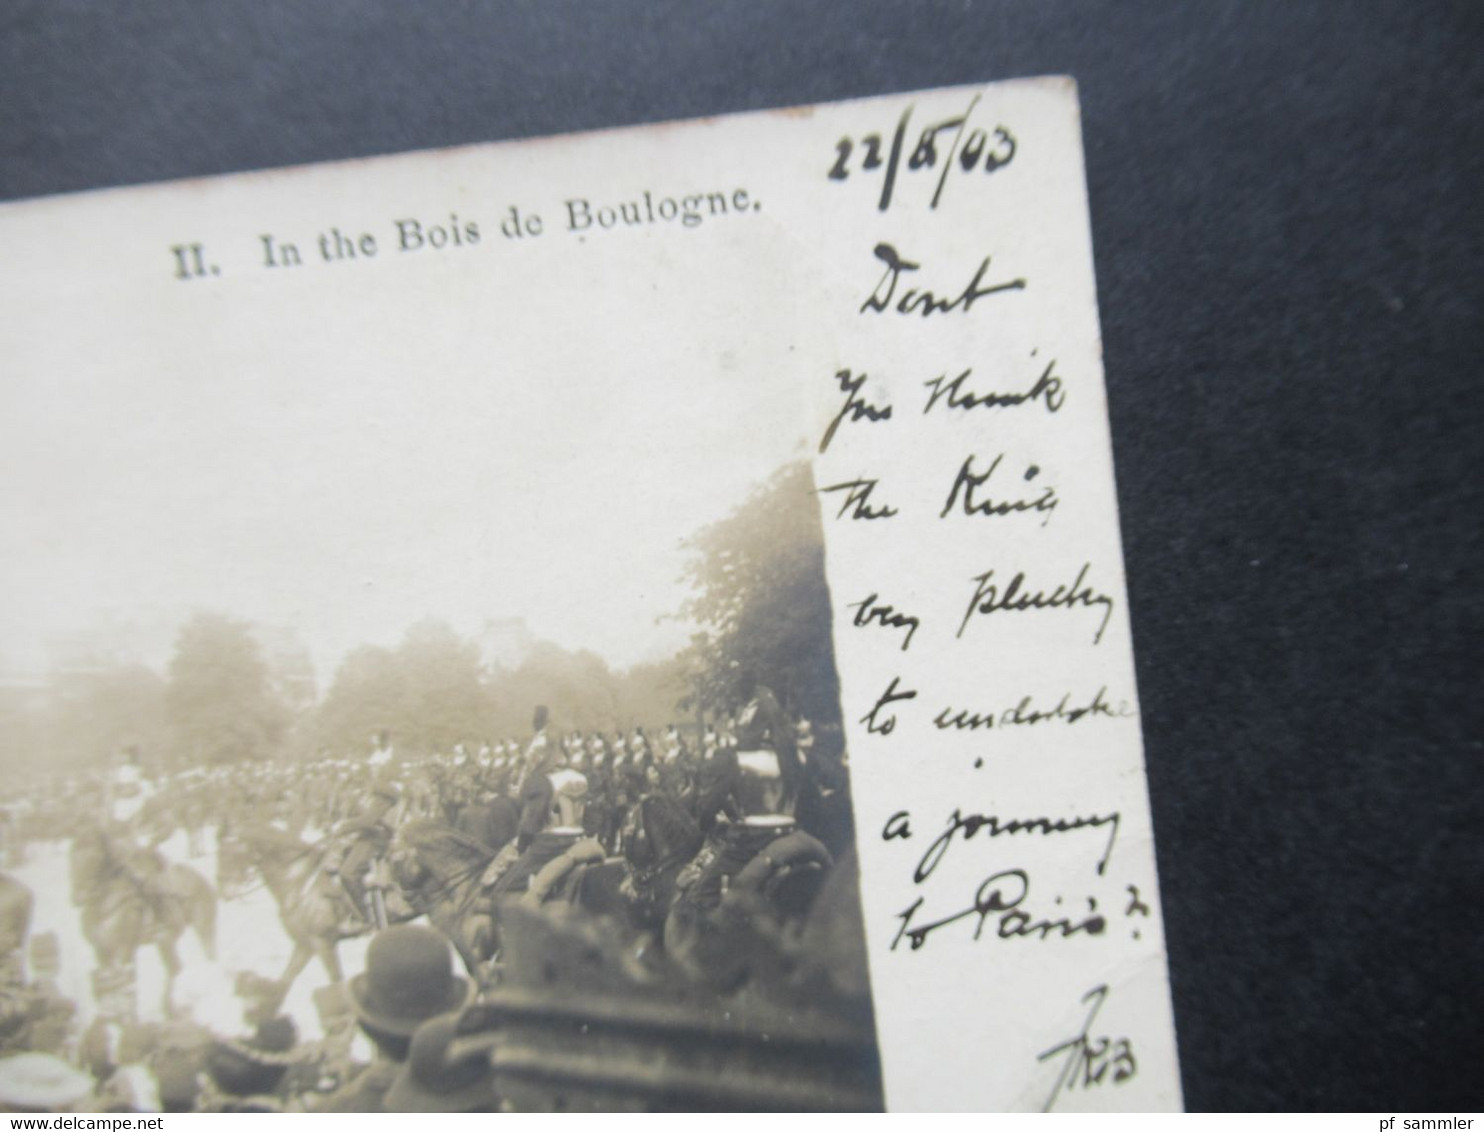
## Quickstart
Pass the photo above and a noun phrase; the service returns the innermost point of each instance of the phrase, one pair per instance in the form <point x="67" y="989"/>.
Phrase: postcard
<point x="630" y="621"/>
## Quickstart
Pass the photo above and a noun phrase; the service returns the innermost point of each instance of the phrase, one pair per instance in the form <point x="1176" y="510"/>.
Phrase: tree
<point x="761" y="599"/>
<point x="219" y="700"/>
<point x="368" y="694"/>
<point x="652" y="693"/>
<point x="96" y="712"/>
<point x="443" y="700"/>
<point x="428" y="694"/>
<point x="579" y="689"/>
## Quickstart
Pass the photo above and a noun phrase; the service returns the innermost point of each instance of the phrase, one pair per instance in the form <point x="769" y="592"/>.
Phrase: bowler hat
<point x="408" y="979"/>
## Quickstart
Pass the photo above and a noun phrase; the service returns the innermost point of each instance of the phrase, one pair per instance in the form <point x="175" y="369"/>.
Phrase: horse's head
<point x="431" y="857"/>
<point x="408" y="870"/>
<point x="660" y="838"/>
<point x="659" y="832"/>
<point x="404" y="862"/>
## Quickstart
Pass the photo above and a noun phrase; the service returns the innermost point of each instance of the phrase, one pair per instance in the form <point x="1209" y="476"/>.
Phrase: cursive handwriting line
<point x="965" y="827"/>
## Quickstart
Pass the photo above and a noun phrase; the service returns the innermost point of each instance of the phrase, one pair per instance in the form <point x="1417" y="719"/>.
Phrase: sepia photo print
<point x="418" y="691"/>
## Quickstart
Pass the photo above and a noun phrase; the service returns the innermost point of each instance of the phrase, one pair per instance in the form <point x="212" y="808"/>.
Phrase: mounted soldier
<point x="358" y="848"/>
<point x="130" y="895"/>
<point x="535" y="794"/>
<point x="767" y="754"/>
<point x="127" y="791"/>
<point x="553" y="799"/>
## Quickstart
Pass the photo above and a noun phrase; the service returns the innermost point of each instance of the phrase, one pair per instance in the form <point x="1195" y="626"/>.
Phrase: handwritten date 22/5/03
<point x="1087" y="1061"/>
<point x="940" y="146"/>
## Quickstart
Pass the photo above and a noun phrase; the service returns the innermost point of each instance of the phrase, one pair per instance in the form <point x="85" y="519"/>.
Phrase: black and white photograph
<point x="418" y="688"/>
<point x="207" y="857"/>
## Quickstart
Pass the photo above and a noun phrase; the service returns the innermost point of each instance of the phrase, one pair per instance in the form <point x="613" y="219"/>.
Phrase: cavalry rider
<point x="771" y="771"/>
<point x="745" y="802"/>
<point x="381" y="751"/>
<point x="535" y="794"/>
<point x="359" y="845"/>
<point x="563" y="833"/>
<point x="675" y="749"/>
<point x="552" y="799"/>
<point x="127" y="789"/>
<point x="126" y="792"/>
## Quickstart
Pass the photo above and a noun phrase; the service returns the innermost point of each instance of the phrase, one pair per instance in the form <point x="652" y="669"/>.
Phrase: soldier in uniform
<point x="768" y="756"/>
<point x="127" y="790"/>
<point x="359" y="845"/>
<point x="381" y="750"/>
<point x="534" y="796"/>
<point x="762" y="781"/>
<point x="553" y="799"/>
<point x="490" y="819"/>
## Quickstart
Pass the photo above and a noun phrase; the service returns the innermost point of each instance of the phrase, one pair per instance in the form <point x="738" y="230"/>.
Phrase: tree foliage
<point x="219" y="699"/>
<point x="80" y="717"/>
<point x="431" y="693"/>
<point x="578" y="688"/>
<point x="428" y="693"/>
<point x="367" y="692"/>
<point x="96" y="713"/>
<point x="758" y="597"/>
<point x="761" y="600"/>
<point x="444" y="701"/>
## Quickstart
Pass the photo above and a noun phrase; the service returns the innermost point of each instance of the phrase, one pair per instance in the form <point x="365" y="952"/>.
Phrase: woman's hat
<point x="243" y="1068"/>
<point x="408" y="979"/>
<point x="430" y="1082"/>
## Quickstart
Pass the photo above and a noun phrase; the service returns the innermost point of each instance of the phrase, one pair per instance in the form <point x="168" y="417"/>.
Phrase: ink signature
<point x="1089" y="1062"/>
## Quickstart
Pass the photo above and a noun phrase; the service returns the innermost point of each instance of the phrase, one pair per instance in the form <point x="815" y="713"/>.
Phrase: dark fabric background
<point x="1286" y="205"/>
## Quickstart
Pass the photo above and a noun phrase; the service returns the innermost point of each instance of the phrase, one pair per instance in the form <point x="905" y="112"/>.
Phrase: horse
<point x="635" y="889"/>
<point x="180" y="808"/>
<point x="315" y="911"/>
<point x="131" y="897"/>
<point x="695" y="897"/>
<point x="443" y="872"/>
<point x="440" y="872"/>
<point x="662" y="847"/>
<point x="660" y="838"/>
<point x="758" y="879"/>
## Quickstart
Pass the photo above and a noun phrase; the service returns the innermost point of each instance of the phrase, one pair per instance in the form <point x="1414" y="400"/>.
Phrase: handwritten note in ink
<point x="981" y="622"/>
